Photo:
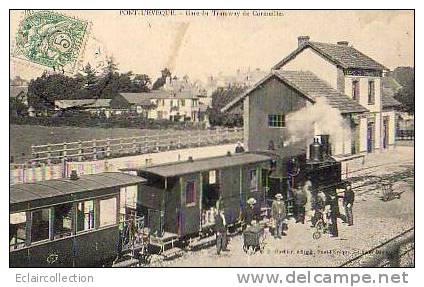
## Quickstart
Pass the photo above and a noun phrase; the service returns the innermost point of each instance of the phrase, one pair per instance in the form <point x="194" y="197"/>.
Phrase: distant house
<point x="94" y="106"/>
<point x="160" y="104"/>
<point x="344" y="77"/>
<point x="20" y="93"/>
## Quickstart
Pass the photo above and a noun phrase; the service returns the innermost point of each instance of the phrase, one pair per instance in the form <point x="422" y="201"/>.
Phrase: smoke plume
<point x="315" y="119"/>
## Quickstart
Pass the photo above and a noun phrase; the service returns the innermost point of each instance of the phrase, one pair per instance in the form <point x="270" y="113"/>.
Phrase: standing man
<point x="221" y="231"/>
<point x="348" y="199"/>
<point x="278" y="211"/>
<point x="249" y="212"/>
<point x="331" y="208"/>
<point x="300" y="202"/>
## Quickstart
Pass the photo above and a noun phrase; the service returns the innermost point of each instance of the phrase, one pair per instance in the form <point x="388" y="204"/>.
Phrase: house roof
<point x="85" y="103"/>
<point x="205" y="164"/>
<point x="144" y="98"/>
<point x="56" y="188"/>
<point x="346" y="57"/>
<point x="309" y="85"/>
<point x="389" y="101"/>
<point x="15" y="91"/>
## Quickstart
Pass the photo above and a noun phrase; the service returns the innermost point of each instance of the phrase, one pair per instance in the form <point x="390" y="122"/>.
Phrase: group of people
<point x="319" y="206"/>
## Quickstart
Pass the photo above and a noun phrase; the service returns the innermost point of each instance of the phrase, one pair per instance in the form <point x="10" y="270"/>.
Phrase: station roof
<point x="56" y="188"/>
<point x="344" y="56"/>
<point x="205" y="164"/>
<point x="309" y="85"/>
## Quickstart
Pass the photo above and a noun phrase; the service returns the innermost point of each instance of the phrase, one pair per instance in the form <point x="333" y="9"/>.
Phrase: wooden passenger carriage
<point x="181" y="198"/>
<point x="68" y="222"/>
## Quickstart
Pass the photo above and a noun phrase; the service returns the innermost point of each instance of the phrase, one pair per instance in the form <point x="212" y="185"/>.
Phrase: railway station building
<point x="339" y="75"/>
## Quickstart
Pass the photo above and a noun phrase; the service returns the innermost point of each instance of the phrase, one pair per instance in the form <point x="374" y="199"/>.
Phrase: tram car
<point x="181" y="198"/>
<point x="71" y="222"/>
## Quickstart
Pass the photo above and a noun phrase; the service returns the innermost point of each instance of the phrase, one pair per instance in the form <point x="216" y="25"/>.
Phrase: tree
<point x="141" y="83"/>
<point x="160" y="82"/>
<point x="406" y="95"/>
<point x="221" y="97"/>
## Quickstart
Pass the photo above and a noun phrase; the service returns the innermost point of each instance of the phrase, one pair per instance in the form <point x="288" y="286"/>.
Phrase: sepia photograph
<point x="211" y="138"/>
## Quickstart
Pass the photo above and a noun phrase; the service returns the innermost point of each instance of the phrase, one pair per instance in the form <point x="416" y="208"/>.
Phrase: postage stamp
<point x="50" y="39"/>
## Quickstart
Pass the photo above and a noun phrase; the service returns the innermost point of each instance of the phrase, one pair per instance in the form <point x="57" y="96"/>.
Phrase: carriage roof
<point x="42" y="193"/>
<point x="200" y="165"/>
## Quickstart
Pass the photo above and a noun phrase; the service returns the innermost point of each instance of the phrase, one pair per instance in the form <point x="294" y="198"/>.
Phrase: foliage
<point x="406" y="95"/>
<point x="162" y="79"/>
<point x="221" y="97"/>
<point x="45" y="90"/>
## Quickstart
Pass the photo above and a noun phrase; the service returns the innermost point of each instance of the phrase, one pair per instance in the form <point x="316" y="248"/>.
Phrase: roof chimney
<point x="343" y="43"/>
<point x="302" y="40"/>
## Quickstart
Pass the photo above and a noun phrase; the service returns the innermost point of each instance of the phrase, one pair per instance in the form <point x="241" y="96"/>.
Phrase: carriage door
<point x="385" y="132"/>
<point x="370" y="136"/>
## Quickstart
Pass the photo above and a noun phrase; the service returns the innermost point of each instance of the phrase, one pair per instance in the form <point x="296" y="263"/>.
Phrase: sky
<point x="204" y="45"/>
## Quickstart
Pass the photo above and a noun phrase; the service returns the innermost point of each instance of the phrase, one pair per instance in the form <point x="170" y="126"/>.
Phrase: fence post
<point x="134" y="141"/>
<point x="108" y="147"/>
<point x="121" y="147"/>
<point x="49" y="149"/>
<point x="227" y="134"/>
<point x="65" y="151"/>
<point x="79" y="151"/>
<point x="94" y="149"/>
<point x="179" y="140"/>
<point x="33" y="153"/>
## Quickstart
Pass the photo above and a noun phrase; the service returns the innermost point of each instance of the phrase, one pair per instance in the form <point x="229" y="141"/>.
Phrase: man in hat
<point x="332" y="212"/>
<point x="348" y="199"/>
<point x="278" y="212"/>
<point x="249" y="212"/>
<point x="239" y="147"/>
<point x="221" y="230"/>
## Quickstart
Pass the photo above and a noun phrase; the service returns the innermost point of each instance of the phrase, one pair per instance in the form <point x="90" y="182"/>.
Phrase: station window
<point x="371" y="93"/>
<point x="355" y="90"/>
<point x="85" y="215"/>
<point x="40" y="225"/>
<point x="276" y="121"/>
<point x="107" y="211"/>
<point x="190" y="193"/>
<point x="62" y="220"/>
<point x="253" y="180"/>
<point x="17" y="230"/>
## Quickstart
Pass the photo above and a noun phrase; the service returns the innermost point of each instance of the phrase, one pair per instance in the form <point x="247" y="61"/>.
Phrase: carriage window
<point x="40" y="225"/>
<point x="128" y="198"/>
<point x="253" y="179"/>
<point x="108" y="211"/>
<point x="17" y="233"/>
<point x="212" y="177"/>
<point x="190" y="193"/>
<point x="85" y="215"/>
<point x="62" y="220"/>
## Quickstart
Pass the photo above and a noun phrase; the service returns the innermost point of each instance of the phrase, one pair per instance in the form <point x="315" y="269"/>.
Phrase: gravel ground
<point x="375" y="222"/>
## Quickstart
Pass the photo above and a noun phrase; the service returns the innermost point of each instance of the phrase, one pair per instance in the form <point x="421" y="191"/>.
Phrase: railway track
<point x="398" y="251"/>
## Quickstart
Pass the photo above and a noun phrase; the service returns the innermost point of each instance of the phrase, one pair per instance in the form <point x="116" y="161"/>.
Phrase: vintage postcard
<point x="211" y="138"/>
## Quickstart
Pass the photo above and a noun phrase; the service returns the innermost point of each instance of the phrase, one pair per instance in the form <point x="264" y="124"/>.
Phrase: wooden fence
<point x="405" y="135"/>
<point x="117" y="147"/>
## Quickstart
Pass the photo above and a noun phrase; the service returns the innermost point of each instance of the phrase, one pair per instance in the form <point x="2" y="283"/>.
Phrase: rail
<point x="96" y="149"/>
<point x="399" y="251"/>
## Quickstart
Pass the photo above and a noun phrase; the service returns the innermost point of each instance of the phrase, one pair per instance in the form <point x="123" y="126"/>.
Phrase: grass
<point x="23" y="136"/>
